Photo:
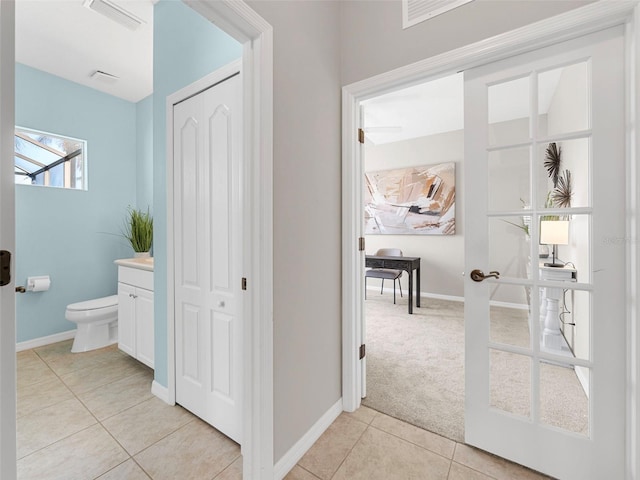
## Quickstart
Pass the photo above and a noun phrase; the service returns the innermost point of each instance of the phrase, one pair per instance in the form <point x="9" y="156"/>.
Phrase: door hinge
<point x="244" y="283"/>
<point x="362" y="351"/>
<point x="361" y="135"/>
<point x="361" y="244"/>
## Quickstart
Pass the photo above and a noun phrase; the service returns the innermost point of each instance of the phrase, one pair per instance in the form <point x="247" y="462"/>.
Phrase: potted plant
<point x="138" y="229"/>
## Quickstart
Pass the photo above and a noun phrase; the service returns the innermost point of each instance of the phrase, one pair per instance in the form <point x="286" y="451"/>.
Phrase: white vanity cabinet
<point x="135" y="309"/>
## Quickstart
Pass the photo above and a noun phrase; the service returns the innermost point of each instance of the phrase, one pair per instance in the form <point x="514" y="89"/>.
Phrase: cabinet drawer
<point x="136" y="277"/>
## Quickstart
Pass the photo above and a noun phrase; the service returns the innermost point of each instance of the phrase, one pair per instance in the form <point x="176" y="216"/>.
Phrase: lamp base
<point x="556" y="265"/>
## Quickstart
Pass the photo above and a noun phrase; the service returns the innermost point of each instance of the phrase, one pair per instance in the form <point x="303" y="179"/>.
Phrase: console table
<point x="408" y="264"/>
<point x="552" y="337"/>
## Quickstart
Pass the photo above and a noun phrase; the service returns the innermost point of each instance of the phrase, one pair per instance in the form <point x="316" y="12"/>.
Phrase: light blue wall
<point x="186" y="48"/>
<point x="68" y="234"/>
<point x="144" y="150"/>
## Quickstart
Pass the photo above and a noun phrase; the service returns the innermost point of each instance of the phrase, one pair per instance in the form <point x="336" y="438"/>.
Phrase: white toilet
<point x="97" y="322"/>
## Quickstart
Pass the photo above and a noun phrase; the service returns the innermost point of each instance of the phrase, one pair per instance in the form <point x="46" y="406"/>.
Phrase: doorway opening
<point x="414" y="142"/>
<point x="354" y="263"/>
<point x="412" y="160"/>
<point x="254" y="34"/>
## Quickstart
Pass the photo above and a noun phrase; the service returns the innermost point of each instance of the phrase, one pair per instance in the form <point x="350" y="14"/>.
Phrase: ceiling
<point x="418" y="111"/>
<point x="67" y="39"/>
<point x="438" y="107"/>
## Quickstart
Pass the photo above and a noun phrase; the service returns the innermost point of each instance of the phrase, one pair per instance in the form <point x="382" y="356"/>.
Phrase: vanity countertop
<point x="140" y="263"/>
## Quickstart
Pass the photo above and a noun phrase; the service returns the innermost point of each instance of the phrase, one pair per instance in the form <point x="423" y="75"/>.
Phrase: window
<point x="50" y="160"/>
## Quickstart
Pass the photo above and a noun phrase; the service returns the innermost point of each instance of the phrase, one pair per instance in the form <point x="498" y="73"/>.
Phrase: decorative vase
<point x="142" y="254"/>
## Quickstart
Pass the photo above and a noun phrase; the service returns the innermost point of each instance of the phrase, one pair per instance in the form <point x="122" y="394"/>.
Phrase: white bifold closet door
<point x="208" y="242"/>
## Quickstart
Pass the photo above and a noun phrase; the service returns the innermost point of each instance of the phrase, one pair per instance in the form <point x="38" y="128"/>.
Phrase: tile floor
<point x="92" y="416"/>
<point x="368" y="445"/>
<point x="86" y="416"/>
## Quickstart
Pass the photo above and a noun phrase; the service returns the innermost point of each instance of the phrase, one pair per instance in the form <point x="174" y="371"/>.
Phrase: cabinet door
<point x="144" y="326"/>
<point x="126" y="319"/>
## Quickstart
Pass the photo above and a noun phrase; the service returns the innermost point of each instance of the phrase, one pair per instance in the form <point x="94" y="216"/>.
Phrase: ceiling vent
<point x="416" y="11"/>
<point x="104" y="77"/>
<point x="114" y="12"/>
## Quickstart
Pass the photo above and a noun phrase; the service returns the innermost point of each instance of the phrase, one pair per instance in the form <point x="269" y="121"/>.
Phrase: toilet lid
<point x="95" y="304"/>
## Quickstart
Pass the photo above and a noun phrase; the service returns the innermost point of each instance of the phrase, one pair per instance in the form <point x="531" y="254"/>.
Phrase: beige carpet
<point x="415" y="368"/>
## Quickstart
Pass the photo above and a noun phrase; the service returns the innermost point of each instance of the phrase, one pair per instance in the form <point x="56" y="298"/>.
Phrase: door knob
<point x="478" y="275"/>
<point x="221" y="304"/>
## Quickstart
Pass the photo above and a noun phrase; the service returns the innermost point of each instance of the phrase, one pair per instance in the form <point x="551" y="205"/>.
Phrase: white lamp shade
<point x="554" y="232"/>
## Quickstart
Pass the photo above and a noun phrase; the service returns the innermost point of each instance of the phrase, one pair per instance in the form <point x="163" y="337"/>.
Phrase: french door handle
<point x="478" y="275"/>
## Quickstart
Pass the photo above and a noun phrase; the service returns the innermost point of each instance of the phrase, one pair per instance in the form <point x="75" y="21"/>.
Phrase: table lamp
<point x="554" y="232"/>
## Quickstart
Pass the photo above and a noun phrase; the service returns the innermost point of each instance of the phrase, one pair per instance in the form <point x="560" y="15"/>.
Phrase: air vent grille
<point x="416" y="11"/>
<point x="114" y="12"/>
<point x="104" y="77"/>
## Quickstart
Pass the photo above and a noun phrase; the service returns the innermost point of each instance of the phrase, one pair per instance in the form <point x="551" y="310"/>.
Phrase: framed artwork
<point x="411" y="201"/>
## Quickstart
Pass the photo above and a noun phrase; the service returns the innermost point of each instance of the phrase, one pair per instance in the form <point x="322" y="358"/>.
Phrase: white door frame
<point x="241" y="22"/>
<point x="7" y="242"/>
<point x="572" y="24"/>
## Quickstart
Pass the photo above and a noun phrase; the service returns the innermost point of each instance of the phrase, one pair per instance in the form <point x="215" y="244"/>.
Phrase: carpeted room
<point x="415" y="363"/>
<point x="415" y="368"/>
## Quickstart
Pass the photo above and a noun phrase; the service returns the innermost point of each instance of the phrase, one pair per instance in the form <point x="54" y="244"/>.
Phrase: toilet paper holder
<point x="38" y="284"/>
<point x="35" y="284"/>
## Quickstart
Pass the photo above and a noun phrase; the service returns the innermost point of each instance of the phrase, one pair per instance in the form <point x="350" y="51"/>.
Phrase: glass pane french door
<point x="545" y="202"/>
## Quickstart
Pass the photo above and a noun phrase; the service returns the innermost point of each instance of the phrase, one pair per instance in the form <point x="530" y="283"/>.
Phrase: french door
<point x="546" y="345"/>
<point x="208" y="255"/>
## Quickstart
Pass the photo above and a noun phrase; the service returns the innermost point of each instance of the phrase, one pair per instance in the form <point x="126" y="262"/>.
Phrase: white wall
<point x="320" y="46"/>
<point x="442" y="256"/>
<point x="374" y="42"/>
<point x="306" y="206"/>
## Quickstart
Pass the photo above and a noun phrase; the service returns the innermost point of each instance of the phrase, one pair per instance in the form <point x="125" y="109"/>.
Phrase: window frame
<point x="67" y="160"/>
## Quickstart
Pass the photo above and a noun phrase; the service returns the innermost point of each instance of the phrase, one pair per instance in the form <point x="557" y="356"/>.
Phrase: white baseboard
<point x="583" y="379"/>
<point x="451" y="298"/>
<point x="42" y="341"/>
<point x="517" y="306"/>
<point x="295" y="453"/>
<point x="437" y="296"/>
<point x="161" y="392"/>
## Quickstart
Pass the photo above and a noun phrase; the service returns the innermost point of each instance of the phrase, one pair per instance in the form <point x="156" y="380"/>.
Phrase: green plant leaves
<point x="138" y="229"/>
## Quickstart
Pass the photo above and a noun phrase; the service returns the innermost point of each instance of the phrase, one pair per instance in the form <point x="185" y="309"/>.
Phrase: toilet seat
<point x="94" y="304"/>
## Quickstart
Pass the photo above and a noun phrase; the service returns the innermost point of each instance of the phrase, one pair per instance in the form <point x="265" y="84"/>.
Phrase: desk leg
<point x="418" y="287"/>
<point x="410" y="292"/>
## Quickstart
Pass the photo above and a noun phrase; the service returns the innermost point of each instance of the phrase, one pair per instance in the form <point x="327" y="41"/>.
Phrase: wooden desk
<point x="408" y="264"/>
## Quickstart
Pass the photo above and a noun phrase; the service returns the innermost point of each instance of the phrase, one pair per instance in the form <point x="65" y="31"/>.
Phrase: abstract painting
<point x="411" y="201"/>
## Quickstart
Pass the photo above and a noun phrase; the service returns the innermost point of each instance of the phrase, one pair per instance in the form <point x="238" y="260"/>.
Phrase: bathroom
<point x="73" y="236"/>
